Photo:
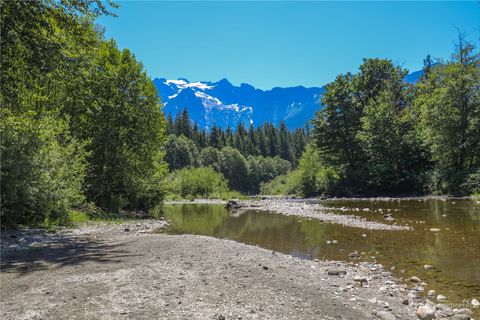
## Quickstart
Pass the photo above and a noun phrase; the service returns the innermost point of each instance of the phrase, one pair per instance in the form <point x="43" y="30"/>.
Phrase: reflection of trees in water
<point x="196" y="219"/>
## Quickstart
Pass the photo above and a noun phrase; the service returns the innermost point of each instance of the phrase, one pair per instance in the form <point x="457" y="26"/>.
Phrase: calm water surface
<point x="453" y="252"/>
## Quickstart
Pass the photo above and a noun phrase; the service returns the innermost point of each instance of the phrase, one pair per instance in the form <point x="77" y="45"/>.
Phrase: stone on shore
<point x="425" y="313"/>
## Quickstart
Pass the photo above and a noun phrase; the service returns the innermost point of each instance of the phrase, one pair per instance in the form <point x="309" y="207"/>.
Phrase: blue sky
<point x="281" y="43"/>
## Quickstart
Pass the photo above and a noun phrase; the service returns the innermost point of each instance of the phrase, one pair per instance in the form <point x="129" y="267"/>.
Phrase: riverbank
<point x="125" y="271"/>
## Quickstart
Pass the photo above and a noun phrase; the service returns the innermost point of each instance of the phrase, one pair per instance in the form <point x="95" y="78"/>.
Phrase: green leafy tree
<point x="448" y="104"/>
<point x="234" y="168"/>
<point x="181" y="152"/>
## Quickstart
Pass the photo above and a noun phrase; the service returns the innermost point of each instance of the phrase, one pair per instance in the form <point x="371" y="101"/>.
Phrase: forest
<point x="82" y="128"/>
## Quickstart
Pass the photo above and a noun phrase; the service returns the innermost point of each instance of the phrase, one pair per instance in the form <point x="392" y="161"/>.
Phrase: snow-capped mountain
<point x="226" y="105"/>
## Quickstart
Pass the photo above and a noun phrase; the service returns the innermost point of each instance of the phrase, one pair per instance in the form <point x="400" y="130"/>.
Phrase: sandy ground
<point x="126" y="272"/>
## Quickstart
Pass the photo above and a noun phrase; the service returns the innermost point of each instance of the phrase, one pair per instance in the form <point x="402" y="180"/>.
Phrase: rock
<point x="354" y="255"/>
<point x="441" y="297"/>
<point x="431" y="293"/>
<point x="460" y="316"/>
<point x="425" y="313"/>
<point x="427" y="266"/>
<point x="406" y="302"/>
<point x="385" y="315"/>
<point x="336" y="272"/>
<point x="265" y="267"/>
<point x="465" y="311"/>
<point x="127" y="230"/>
<point x="364" y="235"/>
<point x="475" y="303"/>
<point x="232" y="205"/>
<point x="415" y="279"/>
<point x="360" y="280"/>
<point x="435" y="229"/>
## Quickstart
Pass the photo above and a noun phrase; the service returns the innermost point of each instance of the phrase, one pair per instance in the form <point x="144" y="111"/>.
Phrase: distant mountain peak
<point x="227" y="105"/>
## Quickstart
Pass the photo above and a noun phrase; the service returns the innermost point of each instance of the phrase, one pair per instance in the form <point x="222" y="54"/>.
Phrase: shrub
<point x="42" y="172"/>
<point x="202" y="182"/>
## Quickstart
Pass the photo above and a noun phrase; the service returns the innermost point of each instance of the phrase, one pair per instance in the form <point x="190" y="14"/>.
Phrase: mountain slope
<point x="226" y="105"/>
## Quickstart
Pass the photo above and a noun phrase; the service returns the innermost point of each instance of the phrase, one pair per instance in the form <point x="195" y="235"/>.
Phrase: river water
<point x="453" y="252"/>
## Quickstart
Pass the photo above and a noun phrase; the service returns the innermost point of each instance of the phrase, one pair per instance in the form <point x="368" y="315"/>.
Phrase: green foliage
<point x="181" y="152"/>
<point x="265" y="169"/>
<point x="125" y="128"/>
<point x="210" y="157"/>
<point x="42" y="170"/>
<point x="202" y="182"/>
<point x="311" y="178"/>
<point x="383" y="136"/>
<point x="448" y="106"/>
<point x="80" y="118"/>
<point x="234" y="168"/>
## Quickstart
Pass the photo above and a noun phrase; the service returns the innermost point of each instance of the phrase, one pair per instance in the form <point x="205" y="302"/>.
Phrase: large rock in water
<point x="425" y="313"/>
<point x="232" y="205"/>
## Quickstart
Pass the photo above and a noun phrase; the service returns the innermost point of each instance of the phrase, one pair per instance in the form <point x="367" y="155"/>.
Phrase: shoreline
<point x="260" y="283"/>
<point x="129" y="270"/>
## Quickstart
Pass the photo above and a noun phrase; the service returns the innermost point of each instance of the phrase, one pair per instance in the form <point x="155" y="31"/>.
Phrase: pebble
<point x="425" y="313"/>
<point x="415" y="279"/>
<point x="385" y="315"/>
<point x="475" y="303"/>
<point x="460" y="316"/>
<point x="427" y="266"/>
<point x="441" y="297"/>
<point x="431" y="293"/>
<point x="435" y="229"/>
<point x="336" y="272"/>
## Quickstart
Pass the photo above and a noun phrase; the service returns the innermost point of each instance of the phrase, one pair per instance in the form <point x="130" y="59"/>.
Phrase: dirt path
<point x="118" y="274"/>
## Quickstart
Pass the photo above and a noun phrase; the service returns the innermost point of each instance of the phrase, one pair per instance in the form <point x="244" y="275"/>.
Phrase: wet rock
<point x="415" y="279"/>
<point x="385" y="315"/>
<point x="427" y="266"/>
<point x="126" y="229"/>
<point x="354" y="255"/>
<point x="475" y="303"/>
<point x="232" y="205"/>
<point x="435" y="229"/>
<point x="431" y="293"/>
<point x="336" y="272"/>
<point x="425" y="313"/>
<point x="461" y="316"/>
<point x="441" y="298"/>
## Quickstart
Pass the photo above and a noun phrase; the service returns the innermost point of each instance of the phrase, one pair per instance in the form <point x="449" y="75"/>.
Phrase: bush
<point x="204" y="182"/>
<point x="310" y="179"/>
<point x="42" y="172"/>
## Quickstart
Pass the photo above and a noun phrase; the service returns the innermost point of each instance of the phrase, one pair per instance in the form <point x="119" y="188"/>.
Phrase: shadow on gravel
<point x="61" y="251"/>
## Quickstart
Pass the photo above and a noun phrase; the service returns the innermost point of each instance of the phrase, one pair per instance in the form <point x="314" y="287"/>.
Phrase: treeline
<point x="377" y="135"/>
<point x="80" y="120"/>
<point x="246" y="158"/>
<point x="265" y="140"/>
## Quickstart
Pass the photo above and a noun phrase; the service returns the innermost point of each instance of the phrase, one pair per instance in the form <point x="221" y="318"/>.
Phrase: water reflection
<point x="454" y="252"/>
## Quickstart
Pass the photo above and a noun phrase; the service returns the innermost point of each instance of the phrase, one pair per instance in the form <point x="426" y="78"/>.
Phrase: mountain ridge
<point x="226" y="105"/>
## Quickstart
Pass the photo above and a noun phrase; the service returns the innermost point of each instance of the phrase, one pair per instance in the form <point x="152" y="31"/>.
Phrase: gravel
<point x="317" y="211"/>
<point x="105" y="272"/>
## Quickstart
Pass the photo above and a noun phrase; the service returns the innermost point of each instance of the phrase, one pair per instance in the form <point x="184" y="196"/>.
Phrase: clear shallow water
<point x="453" y="252"/>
